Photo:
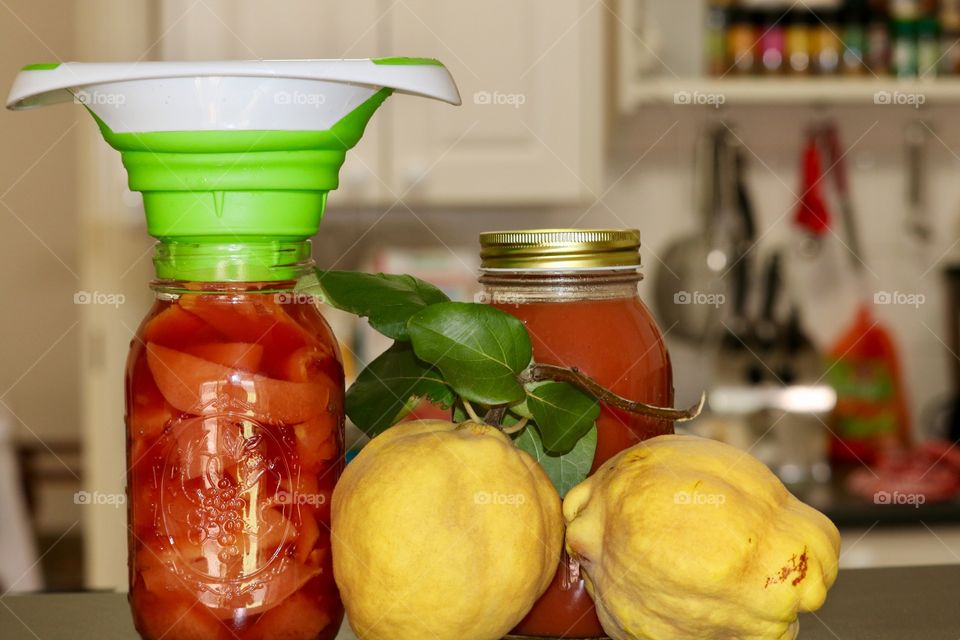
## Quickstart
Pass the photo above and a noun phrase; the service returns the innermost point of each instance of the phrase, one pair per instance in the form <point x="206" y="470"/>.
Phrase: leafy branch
<point x="540" y="372"/>
<point x="477" y="360"/>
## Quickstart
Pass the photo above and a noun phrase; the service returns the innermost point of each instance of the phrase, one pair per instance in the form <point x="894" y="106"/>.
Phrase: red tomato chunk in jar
<point x="235" y="442"/>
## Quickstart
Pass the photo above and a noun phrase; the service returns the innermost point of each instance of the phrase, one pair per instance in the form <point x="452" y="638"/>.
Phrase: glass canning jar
<point x="576" y="290"/>
<point x="234" y="411"/>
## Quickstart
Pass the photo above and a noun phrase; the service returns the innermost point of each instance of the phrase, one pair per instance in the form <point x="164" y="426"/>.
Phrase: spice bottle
<point x="904" y="60"/>
<point x="878" y="39"/>
<point x="949" y="63"/>
<point x="854" y="33"/>
<point x="773" y="44"/>
<point x="716" y="36"/>
<point x="741" y="42"/>
<point x="825" y="43"/>
<point x="798" y="42"/>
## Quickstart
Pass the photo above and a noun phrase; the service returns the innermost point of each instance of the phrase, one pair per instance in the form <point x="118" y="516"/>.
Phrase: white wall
<point x="39" y="347"/>
<point x="38" y="350"/>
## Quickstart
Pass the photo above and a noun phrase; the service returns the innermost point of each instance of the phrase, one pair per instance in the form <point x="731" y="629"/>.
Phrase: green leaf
<point x="388" y="388"/>
<point x="564" y="414"/>
<point x="386" y="300"/>
<point x="565" y="471"/>
<point x="521" y="408"/>
<point x="480" y="350"/>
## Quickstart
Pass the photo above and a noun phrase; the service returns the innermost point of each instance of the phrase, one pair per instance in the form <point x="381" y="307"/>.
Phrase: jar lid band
<point x="560" y="249"/>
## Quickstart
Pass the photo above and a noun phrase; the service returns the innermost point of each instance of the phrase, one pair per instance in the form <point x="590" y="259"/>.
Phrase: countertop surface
<point x="866" y="604"/>
<point x="848" y="510"/>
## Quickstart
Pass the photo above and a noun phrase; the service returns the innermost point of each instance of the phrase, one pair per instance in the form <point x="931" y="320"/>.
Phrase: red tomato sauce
<point x="617" y="343"/>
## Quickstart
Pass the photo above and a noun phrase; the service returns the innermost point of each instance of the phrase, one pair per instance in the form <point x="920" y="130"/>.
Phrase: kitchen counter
<point x="848" y="510"/>
<point x="865" y="604"/>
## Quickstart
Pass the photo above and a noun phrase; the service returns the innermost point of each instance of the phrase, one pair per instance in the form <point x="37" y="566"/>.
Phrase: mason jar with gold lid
<point x="576" y="290"/>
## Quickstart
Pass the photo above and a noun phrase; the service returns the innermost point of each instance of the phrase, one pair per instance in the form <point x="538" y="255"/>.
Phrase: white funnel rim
<point x="38" y="85"/>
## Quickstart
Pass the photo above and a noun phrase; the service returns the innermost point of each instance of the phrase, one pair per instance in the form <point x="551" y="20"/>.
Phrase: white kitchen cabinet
<point x="253" y="29"/>
<point x="528" y="133"/>
<point x="530" y="127"/>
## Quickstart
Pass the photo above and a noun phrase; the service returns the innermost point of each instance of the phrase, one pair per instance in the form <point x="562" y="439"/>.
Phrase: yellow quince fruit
<point x="682" y="537"/>
<point x="443" y="531"/>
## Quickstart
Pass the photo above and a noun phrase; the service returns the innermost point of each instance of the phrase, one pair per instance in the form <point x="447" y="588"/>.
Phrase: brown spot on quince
<point x="795" y="568"/>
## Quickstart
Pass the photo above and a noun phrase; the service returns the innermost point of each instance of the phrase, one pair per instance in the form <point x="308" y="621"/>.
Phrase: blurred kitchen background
<point x="792" y="167"/>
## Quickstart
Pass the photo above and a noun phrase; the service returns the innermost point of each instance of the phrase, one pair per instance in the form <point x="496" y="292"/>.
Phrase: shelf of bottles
<point x="896" y="52"/>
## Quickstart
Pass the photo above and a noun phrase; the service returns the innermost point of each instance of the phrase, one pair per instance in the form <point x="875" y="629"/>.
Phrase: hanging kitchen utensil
<point x="734" y="362"/>
<point x="801" y="363"/>
<point x="863" y="364"/>
<point x="688" y="288"/>
<point x="766" y="331"/>
<point x="738" y="323"/>
<point x="744" y="202"/>
<point x="918" y="221"/>
<point x="812" y="214"/>
<point x="838" y="170"/>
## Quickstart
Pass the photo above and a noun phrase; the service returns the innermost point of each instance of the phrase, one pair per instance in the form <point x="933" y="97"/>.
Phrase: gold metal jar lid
<point x="560" y="249"/>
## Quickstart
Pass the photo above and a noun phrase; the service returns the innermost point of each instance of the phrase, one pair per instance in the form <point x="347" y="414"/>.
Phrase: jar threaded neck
<point x="261" y="260"/>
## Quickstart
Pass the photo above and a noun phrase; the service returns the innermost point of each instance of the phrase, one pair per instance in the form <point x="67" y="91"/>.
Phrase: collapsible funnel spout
<point x="232" y="150"/>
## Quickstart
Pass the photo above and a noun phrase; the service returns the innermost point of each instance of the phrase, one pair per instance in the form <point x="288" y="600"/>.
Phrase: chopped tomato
<point x="305" y="487"/>
<point x="197" y="386"/>
<point x="309" y="495"/>
<point x="299" y="616"/>
<point x="154" y="567"/>
<point x="317" y="441"/>
<point x="249" y="318"/>
<point x="310" y="364"/>
<point x="149" y="414"/>
<point x="265" y="594"/>
<point x="194" y="450"/>
<point x="236" y="355"/>
<point x="148" y="411"/>
<point x="308" y="535"/>
<point x="271" y="530"/>
<point x="320" y="555"/>
<point x="174" y="327"/>
<point x="175" y="617"/>
<point x="144" y="508"/>
<point x="182" y="521"/>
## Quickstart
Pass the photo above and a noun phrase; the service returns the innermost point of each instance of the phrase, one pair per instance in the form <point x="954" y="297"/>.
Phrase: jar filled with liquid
<point x="577" y="293"/>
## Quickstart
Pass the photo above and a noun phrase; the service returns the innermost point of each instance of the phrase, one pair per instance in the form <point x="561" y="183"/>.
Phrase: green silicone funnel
<point x="238" y="150"/>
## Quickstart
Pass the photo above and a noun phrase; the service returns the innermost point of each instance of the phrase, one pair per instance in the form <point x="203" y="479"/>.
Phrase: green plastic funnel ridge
<point x="233" y="150"/>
